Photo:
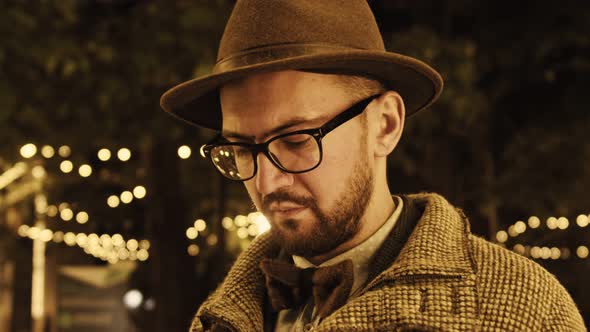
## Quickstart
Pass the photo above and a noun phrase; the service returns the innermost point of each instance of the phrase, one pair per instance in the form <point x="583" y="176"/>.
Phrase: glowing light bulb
<point x="184" y="152"/>
<point x="582" y="252"/>
<point x="124" y="154"/>
<point x="38" y="172"/>
<point x="66" y="166"/>
<point x="82" y="217"/>
<point x="126" y="197"/>
<point x="534" y="222"/>
<point x="47" y="151"/>
<point x="139" y="192"/>
<point x="64" y="151"/>
<point x="104" y="154"/>
<point x="132" y="244"/>
<point x="28" y="150"/>
<point x="582" y="220"/>
<point x="193" y="250"/>
<point x="66" y="214"/>
<point x="502" y="236"/>
<point x="85" y="171"/>
<point x="192" y="233"/>
<point x="113" y="201"/>
<point x="200" y="225"/>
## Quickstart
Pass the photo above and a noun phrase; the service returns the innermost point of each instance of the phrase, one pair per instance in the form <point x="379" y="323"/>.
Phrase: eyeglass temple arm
<point x="350" y="113"/>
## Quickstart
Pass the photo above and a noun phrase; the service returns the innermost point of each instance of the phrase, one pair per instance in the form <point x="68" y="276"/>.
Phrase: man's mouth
<point x="286" y="209"/>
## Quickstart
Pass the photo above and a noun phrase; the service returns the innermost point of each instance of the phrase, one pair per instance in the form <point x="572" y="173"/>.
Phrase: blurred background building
<point x="111" y="221"/>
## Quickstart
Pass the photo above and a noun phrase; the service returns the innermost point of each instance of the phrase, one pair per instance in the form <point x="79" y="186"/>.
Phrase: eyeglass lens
<point x="291" y="153"/>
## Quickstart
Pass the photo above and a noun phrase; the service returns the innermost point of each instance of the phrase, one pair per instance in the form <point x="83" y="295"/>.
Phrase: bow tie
<point x="289" y="286"/>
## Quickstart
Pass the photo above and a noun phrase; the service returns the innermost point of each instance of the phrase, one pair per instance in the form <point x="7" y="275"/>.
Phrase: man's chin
<point x="305" y="244"/>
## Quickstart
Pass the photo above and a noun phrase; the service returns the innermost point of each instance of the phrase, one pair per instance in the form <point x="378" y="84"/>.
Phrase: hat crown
<point x="262" y="23"/>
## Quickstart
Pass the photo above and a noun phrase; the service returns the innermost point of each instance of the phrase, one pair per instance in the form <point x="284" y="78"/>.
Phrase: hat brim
<point x="197" y="101"/>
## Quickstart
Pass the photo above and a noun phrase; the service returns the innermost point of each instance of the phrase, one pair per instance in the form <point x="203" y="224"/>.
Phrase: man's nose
<point x="269" y="177"/>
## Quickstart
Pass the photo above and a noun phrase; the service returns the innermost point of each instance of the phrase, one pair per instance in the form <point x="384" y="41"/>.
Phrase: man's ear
<point x="391" y="114"/>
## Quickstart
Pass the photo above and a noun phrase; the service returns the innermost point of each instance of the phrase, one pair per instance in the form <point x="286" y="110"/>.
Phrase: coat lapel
<point x="431" y="286"/>
<point x="238" y="303"/>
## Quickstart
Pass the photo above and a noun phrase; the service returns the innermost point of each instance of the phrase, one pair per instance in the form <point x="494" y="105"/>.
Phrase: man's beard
<point x="331" y="228"/>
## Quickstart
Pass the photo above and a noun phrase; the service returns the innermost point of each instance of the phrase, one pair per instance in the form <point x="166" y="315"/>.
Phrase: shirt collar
<point x="362" y="254"/>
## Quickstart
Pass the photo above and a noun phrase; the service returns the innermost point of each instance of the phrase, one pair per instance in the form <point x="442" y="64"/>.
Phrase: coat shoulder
<point x="514" y="288"/>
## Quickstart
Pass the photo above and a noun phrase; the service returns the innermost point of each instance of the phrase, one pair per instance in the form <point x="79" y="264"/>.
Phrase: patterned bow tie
<point x="289" y="286"/>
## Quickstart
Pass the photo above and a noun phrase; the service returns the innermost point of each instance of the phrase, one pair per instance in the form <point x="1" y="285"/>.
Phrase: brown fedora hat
<point x="312" y="35"/>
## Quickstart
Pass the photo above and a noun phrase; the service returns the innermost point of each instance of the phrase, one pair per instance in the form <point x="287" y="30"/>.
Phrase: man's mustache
<point x="283" y="196"/>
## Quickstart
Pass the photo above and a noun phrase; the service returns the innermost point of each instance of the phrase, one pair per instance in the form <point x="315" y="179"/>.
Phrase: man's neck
<point x="378" y="211"/>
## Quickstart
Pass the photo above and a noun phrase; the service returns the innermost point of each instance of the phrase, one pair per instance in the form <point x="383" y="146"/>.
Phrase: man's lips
<point x="285" y="208"/>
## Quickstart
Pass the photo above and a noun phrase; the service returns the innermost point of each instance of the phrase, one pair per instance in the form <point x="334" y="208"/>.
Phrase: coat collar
<point x="437" y="247"/>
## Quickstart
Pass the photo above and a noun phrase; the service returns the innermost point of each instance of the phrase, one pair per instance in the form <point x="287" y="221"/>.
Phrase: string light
<point x="70" y="238"/>
<point x="124" y="154"/>
<point x="192" y="233"/>
<point x="200" y="225"/>
<point x="58" y="237"/>
<point x="144" y="244"/>
<point x="132" y="244"/>
<point x="46" y="235"/>
<point x="142" y="255"/>
<point x="512" y="231"/>
<point x="227" y="223"/>
<point x="38" y="172"/>
<point x="520" y="227"/>
<point x="104" y="247"/>
<point x="113" y="201"/>
<point x="242" y="232"/>
<point x="193" y="250"/>
<point x="582" y="251"/>
<point x="64" y="151"/>
<point x="85" y="171"/>
<point x="502" y="236"/>
<point x="47" y="151"/>
<point x="28" y="150"/>
<point x="563" y="223"/>
<point x="126" y="197"/>
<point x="23" y="230"/>
<point x="555" y="253"/>
<point x="534" y="222"/>
<point x="104" y="154"/>
<point x="184" y="152"/>
<point x="212" y="239"/>
<point x="66" y="166"/>
<point x="552" y="223"/>
<point x="66" y="214"/>
<point x="582" y="220"/>
<point x="139" y="192"/>
<point x="52" y="211"/>
<point x="82" y="217"/>
<point x="241" y="221"/>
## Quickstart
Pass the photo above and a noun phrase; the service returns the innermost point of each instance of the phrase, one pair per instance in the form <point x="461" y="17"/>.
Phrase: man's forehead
<point x="272" y="103"/>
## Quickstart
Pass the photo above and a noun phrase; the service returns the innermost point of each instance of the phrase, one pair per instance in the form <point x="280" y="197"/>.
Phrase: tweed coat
<point x="444" y="279"/>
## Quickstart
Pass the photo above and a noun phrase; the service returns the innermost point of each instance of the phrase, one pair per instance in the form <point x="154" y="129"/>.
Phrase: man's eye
<point x="297" y="142"/>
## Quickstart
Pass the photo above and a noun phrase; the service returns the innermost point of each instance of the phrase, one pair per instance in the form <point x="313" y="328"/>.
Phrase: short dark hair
<point x="359" y="86"/>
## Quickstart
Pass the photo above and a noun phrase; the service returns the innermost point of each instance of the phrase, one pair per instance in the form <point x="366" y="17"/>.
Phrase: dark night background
<point x="508" y="139"/>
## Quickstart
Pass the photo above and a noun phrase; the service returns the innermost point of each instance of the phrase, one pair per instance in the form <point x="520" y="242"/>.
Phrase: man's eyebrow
<point x="273" y="132"/>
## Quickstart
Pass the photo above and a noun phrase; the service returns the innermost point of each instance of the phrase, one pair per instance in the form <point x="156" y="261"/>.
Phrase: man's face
<point x="310" y="213"/>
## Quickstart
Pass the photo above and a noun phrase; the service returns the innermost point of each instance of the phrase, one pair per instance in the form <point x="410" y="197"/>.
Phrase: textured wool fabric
<point x="444" y="279"/>
<point x="396" y="228"/>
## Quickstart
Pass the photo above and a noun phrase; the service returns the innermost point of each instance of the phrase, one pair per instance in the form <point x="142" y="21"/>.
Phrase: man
<point x="309" y="105"/>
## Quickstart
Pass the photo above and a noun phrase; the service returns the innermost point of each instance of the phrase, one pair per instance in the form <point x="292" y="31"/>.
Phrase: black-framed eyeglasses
<point x="295" y="152"/>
